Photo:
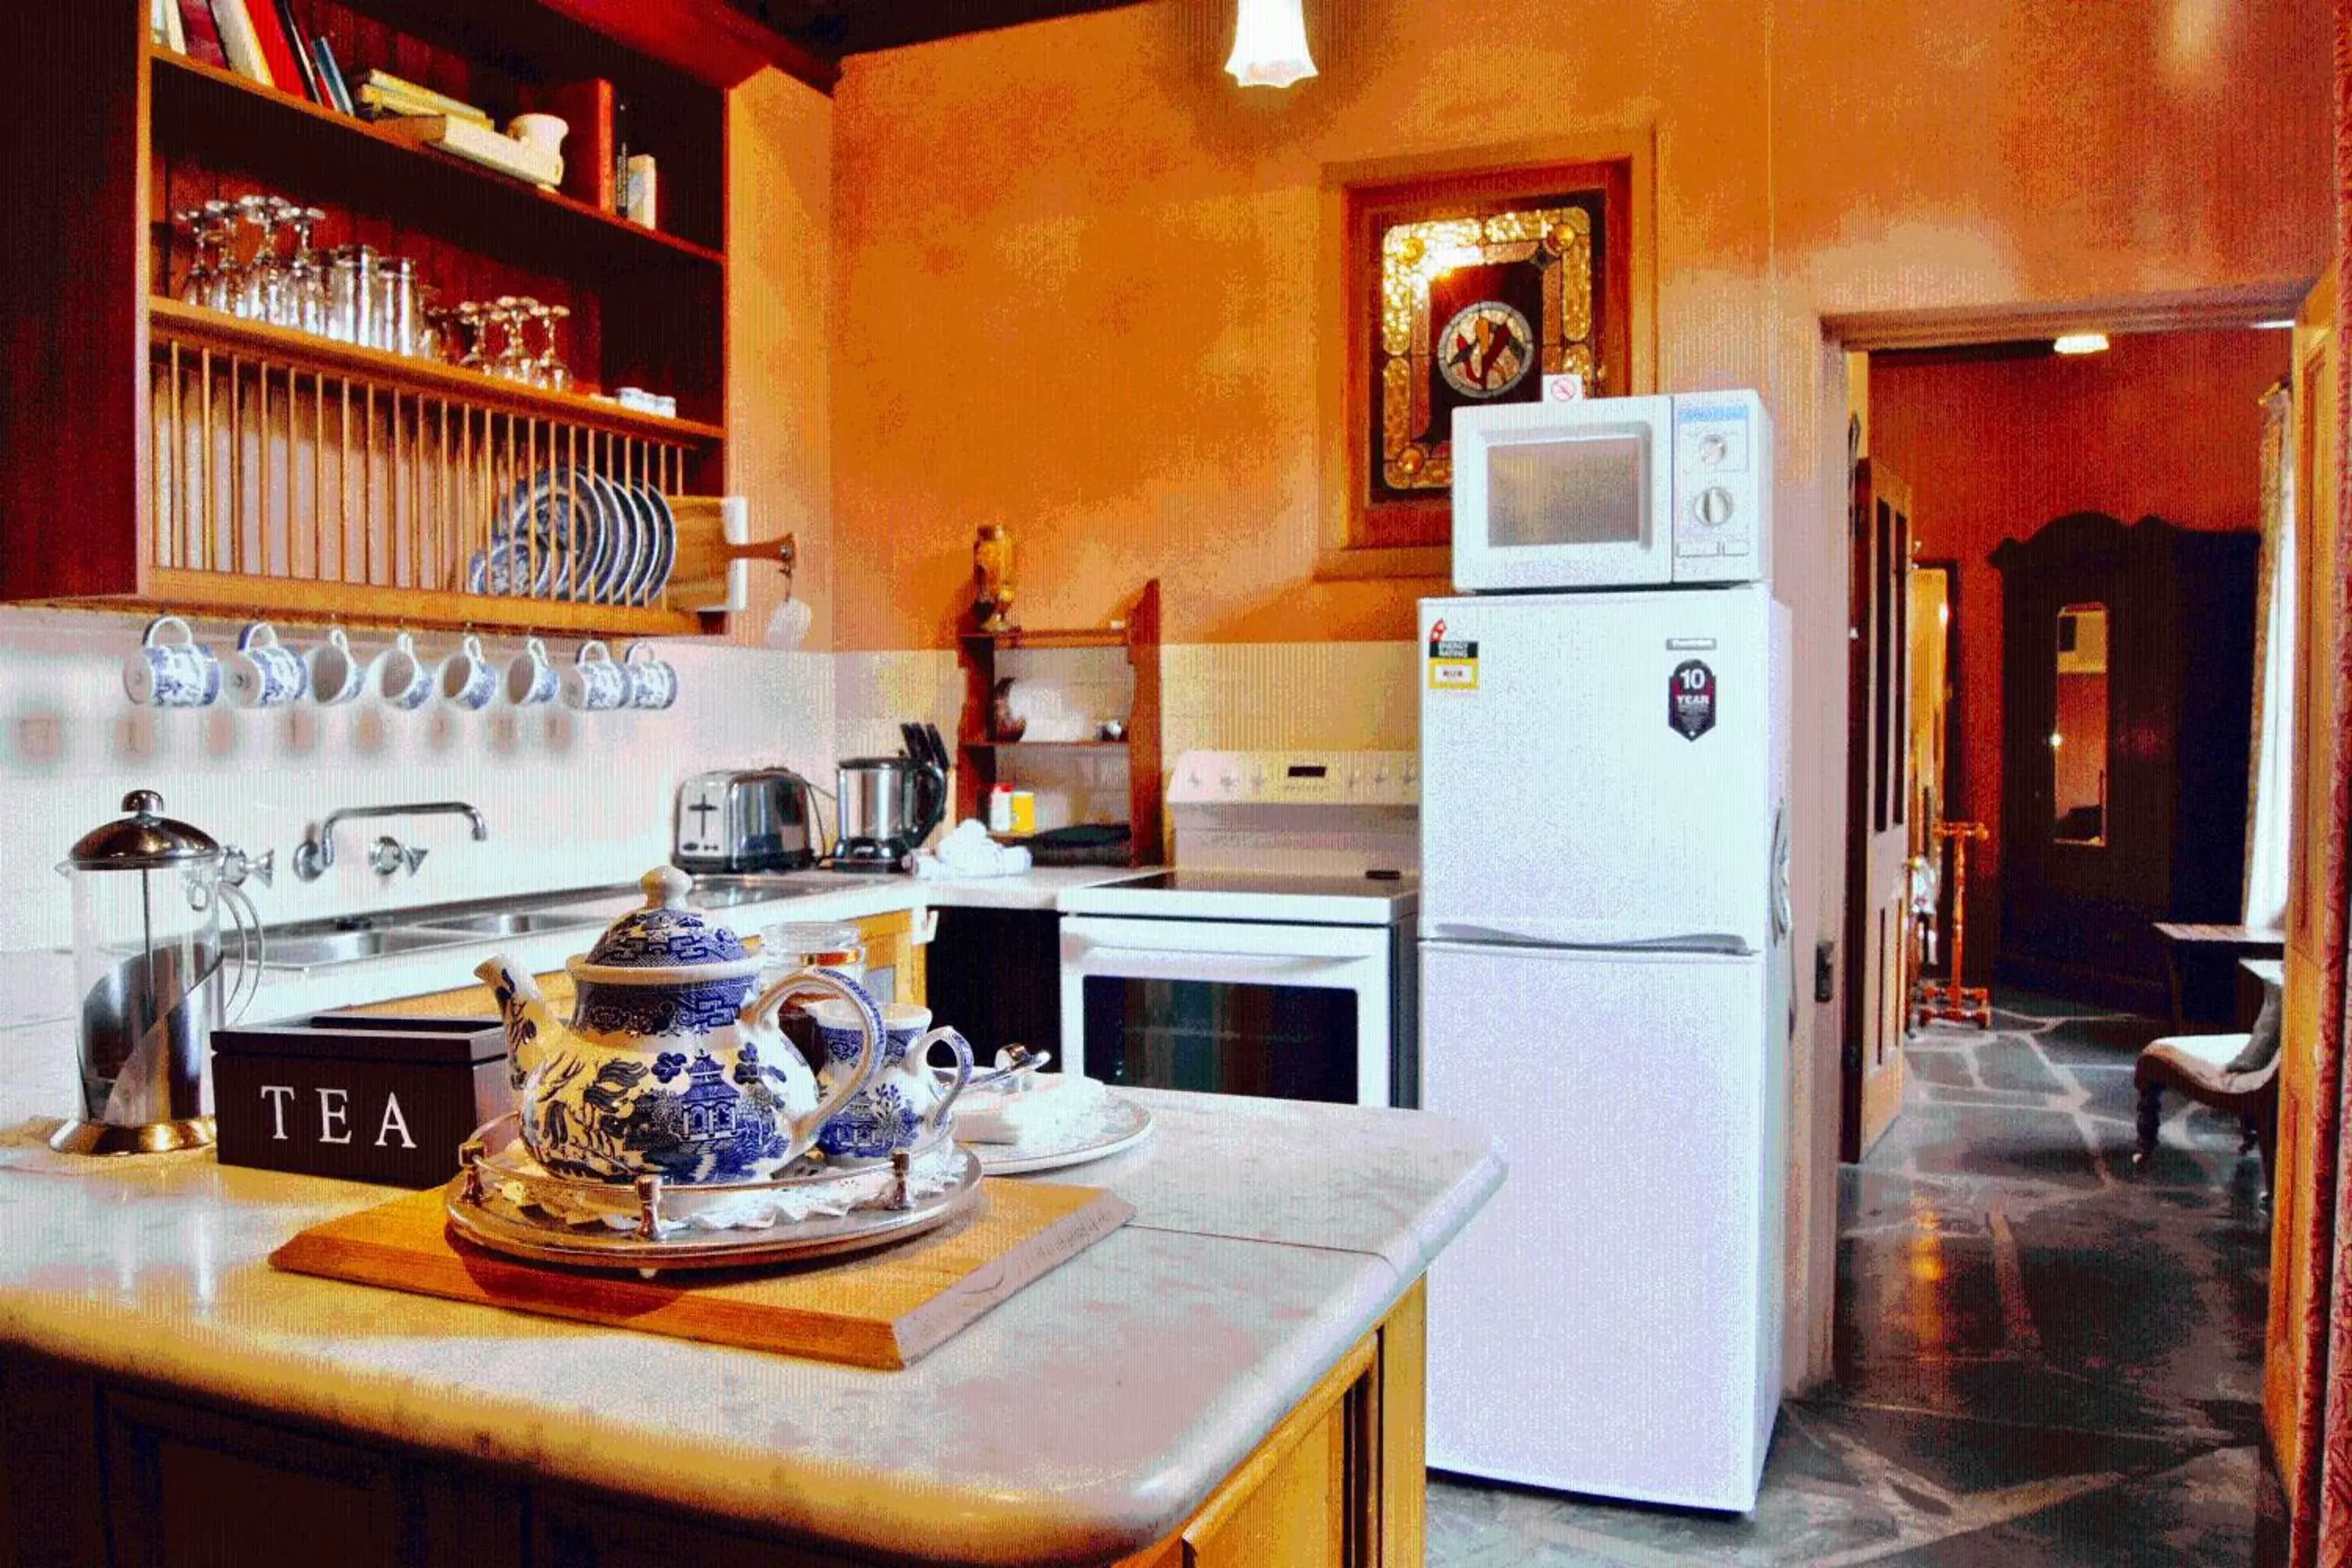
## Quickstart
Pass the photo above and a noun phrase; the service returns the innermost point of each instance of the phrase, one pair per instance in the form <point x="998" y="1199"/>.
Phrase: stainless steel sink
<point x="728" y="892"/>
<point x="512" y="922"/>
<point x="310" y="949"/>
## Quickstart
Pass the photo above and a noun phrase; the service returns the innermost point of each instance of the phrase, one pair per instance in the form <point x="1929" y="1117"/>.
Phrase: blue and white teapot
<point x="666" y="1069"/>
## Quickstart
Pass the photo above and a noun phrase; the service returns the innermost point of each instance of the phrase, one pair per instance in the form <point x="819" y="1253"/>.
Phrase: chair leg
<point x="2151" y="1113"/>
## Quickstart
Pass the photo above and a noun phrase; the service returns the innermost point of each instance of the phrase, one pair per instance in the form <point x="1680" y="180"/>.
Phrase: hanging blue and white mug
<point x="531" y="680"/>
<point x="262" y="673"/>
<point x="652" y="680"/>
<point x="170" y="669"/>
<point x="401" y="678"/>
<point x="594" y="682"/>
<point x="467" y="680"/>
<point x="336" y="673"/>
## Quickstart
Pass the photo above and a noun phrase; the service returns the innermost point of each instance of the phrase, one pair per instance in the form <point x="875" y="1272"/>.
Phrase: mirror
<point x="2078" y="735"/>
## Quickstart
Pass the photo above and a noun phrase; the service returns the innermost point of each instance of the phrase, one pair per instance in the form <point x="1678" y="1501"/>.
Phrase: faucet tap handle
<point x="236" y="866"/>
<point x="388" y="855"/>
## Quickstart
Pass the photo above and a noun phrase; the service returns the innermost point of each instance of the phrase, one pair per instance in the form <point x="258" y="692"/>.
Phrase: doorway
<point x="2006" y="1270"/>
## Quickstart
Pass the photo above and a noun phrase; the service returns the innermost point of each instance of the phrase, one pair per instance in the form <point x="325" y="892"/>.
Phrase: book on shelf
<point x="200" y="35"/>
<point x="164" y="28"/>
<point x="277" y="48"/>
<point x="331" y="76"/>
<point x="477" y="145"/>
<point x="241" y="42"/>
<point x="289" y="37"/>
<point x="389" y="94"/>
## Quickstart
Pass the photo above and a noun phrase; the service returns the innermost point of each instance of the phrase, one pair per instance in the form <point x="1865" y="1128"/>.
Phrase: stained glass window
<point x="1472" y="295"/>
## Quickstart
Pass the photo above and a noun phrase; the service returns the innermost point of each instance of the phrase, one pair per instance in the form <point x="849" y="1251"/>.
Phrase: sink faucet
<point x="316" y="853"/>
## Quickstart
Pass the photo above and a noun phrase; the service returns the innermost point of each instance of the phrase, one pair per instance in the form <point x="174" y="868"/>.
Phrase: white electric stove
<point x="1277" y="957"/>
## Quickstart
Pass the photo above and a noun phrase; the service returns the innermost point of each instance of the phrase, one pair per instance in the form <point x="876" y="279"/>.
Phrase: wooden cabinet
<point x="2127" y="690"/>
<point x="989" y="760"/>
<point x="160" y="452"/>
<point x="93" y="1472"/>
<point x="895" y="962"/>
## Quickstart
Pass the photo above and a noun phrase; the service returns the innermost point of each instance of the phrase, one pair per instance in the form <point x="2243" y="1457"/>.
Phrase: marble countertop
<point x="1086" y="1419"/>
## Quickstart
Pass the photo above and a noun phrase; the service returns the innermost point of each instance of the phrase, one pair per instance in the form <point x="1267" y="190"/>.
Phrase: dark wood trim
<point x="73" y="388"/>
<point x="709" y="41"/>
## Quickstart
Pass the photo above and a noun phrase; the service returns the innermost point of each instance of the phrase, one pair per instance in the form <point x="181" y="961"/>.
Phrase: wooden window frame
<point x="1410" y="539"/>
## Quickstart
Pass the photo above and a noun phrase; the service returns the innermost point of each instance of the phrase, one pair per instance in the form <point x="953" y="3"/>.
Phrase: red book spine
<point x="203" y="36"/>
<point x="285" y="75"/>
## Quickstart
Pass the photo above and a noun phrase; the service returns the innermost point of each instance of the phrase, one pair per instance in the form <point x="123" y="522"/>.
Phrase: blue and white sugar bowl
<point x="669" y="1066"/>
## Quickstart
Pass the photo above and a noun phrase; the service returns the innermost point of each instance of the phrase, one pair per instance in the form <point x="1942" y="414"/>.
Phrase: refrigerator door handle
<point x="1721" y="943"/>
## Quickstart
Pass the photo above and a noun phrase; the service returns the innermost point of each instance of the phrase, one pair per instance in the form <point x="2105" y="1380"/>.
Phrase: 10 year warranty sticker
<point x="1453" y="662"/>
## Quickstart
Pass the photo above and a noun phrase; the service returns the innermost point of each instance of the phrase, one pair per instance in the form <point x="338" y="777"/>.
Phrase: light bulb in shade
<point x="1270" y="44"/>
<point x="2081" y="343"/>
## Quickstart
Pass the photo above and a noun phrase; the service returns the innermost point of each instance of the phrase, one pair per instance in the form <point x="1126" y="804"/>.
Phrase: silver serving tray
<point x="499" y="1228"/>
<point x="1130" y="1125"/>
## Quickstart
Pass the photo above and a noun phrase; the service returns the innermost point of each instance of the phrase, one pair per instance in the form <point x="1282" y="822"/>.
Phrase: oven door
<point x="1288" y="1012"/>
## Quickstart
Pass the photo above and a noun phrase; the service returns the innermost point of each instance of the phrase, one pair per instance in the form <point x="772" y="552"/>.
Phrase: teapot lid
<point x="665" y="934"/>
<point x="141" y="841"/>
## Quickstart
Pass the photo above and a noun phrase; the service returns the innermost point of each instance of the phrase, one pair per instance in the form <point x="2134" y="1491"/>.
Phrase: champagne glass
<point x="511" y="363"/>
<point x="548" y="369"/>
<point x="195" y="284"/>
<point x="259" y="286"/>
<point x="470" y="317"/>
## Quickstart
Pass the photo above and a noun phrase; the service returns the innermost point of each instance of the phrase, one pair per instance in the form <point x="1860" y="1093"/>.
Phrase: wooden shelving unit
<point x="218" y="463"/>
<point x="986" y="759"/>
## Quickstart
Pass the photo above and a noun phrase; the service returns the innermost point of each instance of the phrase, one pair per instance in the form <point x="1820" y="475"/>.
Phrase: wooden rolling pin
<point x="715" y="552"/>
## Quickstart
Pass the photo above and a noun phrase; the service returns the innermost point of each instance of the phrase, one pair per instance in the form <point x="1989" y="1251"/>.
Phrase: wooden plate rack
<point x="159" y="454"/>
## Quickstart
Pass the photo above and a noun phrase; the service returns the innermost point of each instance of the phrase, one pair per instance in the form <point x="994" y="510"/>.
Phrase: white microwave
<point x="1612" y="492"/>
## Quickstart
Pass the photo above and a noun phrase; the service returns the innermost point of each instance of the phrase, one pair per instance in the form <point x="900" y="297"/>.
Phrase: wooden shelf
<point x="195" y="326"/>
<point x="298" y="126"/>
<point x="1046" y="745"/>
<point x="1074" y="637"/>
<point x="300" y="599"/>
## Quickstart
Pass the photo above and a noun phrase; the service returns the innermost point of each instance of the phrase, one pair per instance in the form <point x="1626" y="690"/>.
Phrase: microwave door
<point x="1547" y="498"/>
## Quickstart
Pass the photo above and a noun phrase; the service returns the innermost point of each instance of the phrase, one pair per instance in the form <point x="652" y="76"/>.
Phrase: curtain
<point x="2269" y="790"/>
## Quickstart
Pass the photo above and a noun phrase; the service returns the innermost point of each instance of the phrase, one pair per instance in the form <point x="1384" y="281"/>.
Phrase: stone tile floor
<point x="2044" y="1357"/>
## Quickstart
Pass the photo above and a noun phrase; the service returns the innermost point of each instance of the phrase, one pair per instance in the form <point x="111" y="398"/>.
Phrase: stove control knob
<point x="1229" y="784"/>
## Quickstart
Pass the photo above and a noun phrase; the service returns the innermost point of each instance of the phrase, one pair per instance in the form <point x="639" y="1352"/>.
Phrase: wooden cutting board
<point x="884" y="1310"/>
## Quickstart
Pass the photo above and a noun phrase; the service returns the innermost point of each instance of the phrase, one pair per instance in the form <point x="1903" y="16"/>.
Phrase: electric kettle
<point x="887" y="806"/>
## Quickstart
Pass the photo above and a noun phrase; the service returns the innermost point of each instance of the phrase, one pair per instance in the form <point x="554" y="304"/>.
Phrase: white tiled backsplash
<point x="573" y="799"/>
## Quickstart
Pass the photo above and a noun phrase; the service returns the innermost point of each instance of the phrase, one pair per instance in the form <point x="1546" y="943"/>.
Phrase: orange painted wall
<point x="1077" y="277"/>
<point x="1078" y="269"/>
<point x="2164" y="423"/>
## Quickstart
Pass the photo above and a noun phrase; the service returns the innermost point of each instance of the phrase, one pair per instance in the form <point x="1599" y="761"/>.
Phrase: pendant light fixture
<point x="1270" y="44"/>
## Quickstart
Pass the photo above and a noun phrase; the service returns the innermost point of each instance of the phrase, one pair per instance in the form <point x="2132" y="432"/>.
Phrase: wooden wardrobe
<point x="2157" y="621"/>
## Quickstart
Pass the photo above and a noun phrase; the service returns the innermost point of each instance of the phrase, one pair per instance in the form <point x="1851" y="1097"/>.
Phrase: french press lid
<point x="141" y="841"/>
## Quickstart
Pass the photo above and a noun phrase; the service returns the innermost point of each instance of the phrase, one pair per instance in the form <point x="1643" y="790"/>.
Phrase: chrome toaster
<point x="746" y="820"/>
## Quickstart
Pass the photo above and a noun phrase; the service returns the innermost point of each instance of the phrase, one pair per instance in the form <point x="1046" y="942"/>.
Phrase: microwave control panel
<point x="1723" y="487"/>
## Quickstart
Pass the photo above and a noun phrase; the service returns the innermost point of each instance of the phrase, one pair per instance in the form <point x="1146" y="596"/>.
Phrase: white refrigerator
<point x="1605" y="986"/>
